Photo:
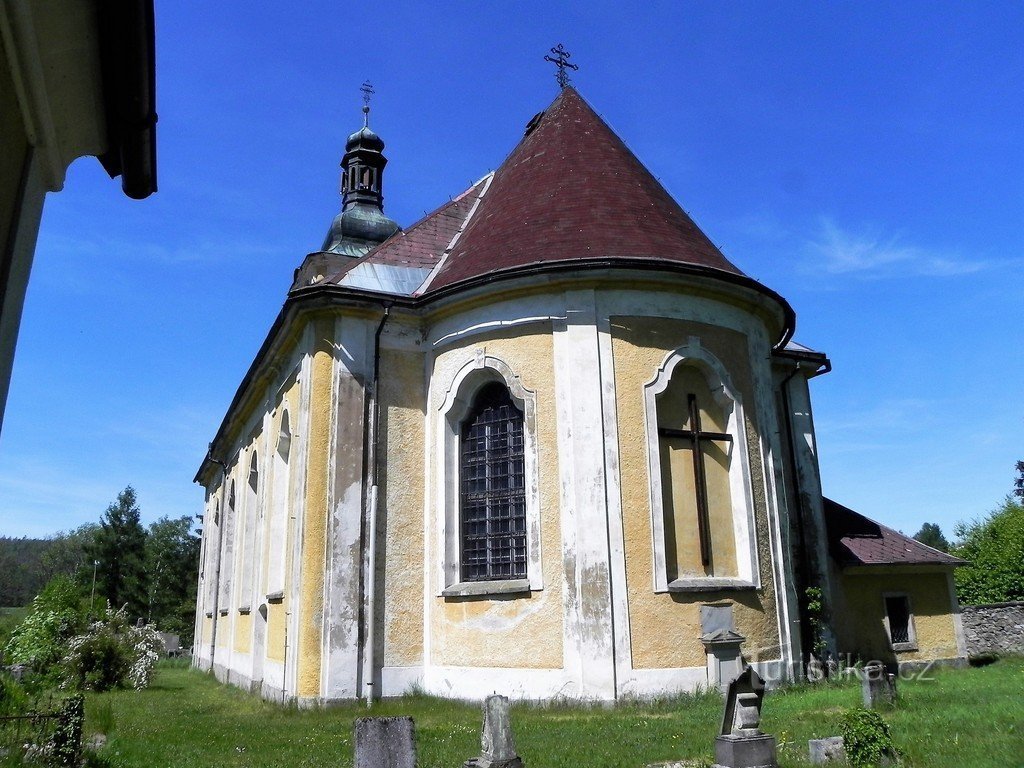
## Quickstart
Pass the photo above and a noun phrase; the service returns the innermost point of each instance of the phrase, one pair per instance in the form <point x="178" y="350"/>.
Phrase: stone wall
<point x="994" y="628"/>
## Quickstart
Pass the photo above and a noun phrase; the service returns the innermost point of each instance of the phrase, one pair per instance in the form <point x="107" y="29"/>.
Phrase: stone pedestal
<point x="828" y="750"/>
<point x="738" y="751"/>
<point x="385" y="742"/>
<point x="497" y="745"/>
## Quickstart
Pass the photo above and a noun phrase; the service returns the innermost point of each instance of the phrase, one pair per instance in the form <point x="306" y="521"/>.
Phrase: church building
<point x="548" y="442"/>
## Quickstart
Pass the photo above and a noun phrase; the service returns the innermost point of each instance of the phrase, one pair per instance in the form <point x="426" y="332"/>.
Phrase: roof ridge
<point x="486" y="181"/>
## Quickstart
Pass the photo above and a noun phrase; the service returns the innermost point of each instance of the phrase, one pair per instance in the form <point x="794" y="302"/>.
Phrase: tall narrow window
<point x="695" y="455"/>
<point x="702" y="520"/>
<point x="251" y="512"/>
<point x="279" y="511"/>
<point x="227" y="560"/>
<point x="492" y="493"/>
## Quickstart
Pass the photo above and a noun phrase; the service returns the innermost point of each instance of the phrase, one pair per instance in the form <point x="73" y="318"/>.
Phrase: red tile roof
<point x="423" y="243"/>
<point x="572" y="190"/>
<point x="857" y="540"/>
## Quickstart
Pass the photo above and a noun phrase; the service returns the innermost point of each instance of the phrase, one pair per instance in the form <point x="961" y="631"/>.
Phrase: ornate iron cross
<point x="367" y="90"/>
<point x="695" y="435"/>
<point x="561" y="60"/>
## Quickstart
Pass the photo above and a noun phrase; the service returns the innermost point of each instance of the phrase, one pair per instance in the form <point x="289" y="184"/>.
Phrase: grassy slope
<point x="971" y="717"/>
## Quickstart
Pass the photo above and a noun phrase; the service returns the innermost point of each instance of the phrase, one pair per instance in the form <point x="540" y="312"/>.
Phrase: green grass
<point x="971" y="717"/>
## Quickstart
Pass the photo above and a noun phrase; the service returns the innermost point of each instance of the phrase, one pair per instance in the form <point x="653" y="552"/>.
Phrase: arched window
<point x="279" y="510"/>
<point x="492" y="499"/>
<point x="701" y="502"/>
<point x="695" y="452"/>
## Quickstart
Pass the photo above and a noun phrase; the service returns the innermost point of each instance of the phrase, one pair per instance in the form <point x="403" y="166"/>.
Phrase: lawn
<point x="970" y="717"/>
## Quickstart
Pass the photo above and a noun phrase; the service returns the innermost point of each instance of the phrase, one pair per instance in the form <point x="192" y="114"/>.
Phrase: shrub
<point x="866" y="738"/>
<point x="55" y="616"/>
<point x="111" y="654"/>
<point x="13" y="698"/>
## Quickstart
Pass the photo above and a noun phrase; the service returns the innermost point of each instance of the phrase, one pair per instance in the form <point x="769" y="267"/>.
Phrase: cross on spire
<point x="695" y="435"/>
<point x="561" y="60"/>
<point x="367" y="90"/>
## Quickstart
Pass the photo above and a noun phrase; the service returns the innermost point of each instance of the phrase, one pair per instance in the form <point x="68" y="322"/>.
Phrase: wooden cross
<point x="695" y="435"/>
<point x="561" y="61"/>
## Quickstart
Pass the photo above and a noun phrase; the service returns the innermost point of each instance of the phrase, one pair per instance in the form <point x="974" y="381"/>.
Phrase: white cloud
<point x="871" y="255"/>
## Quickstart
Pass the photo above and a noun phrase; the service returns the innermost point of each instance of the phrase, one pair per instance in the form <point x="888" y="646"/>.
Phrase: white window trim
<point x="911" y="644"/>
<point x="729" y="400"/>
<point x="457" y="401"/>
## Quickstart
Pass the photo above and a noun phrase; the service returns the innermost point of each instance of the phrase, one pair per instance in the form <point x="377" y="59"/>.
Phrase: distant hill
<point x="22" y="570"/>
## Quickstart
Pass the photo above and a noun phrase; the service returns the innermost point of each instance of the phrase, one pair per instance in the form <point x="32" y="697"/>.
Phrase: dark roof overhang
<point x="127" y="34"/>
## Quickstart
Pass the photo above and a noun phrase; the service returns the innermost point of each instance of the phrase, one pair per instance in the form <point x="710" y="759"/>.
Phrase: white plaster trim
<point x="588" y="639"/>
<point x="648" y="683"/>
<point x="457" y="399"/>
<point x="958" y="623"/>
<point x="400" y="681"/>
<point x="729" y="399"/>
<point x="623" y="653"/>
<point x="447" y="251"/>
<point x="494" y="325"/>
<point x="476" y="683"/>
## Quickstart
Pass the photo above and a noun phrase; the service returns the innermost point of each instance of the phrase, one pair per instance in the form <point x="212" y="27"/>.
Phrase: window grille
<point x="493" y="497"/>
<point x="899" y="619"/>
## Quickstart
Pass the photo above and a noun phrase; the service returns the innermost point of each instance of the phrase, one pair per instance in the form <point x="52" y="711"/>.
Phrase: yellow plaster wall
<point x="243" y="633"/>
<point x="314" y="534"/>
<point x="520" y="631"/>
<point x="276" y="618"/>
<point x="206" y="631"/>
<point x="403" y="400"/>
<point x="665" y="628"/>
<point x="860" y="623"/>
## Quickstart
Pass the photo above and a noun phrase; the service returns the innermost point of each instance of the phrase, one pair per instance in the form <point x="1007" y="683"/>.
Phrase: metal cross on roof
<point x="694" y="435"/>
<point x="367" y="90"/>
<point x="561" y="60"/>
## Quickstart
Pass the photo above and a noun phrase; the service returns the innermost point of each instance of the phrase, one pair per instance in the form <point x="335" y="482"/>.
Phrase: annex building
<point x="547" y="441"/>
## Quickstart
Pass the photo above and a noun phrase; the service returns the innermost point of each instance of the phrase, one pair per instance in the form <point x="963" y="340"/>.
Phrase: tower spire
<point x="362" y="223"/>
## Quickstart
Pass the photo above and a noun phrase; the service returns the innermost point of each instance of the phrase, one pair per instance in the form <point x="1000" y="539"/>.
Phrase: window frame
<point x="741" y="496"/>
<point x="500" y="464"/>
<point x="911" y="644"/>
<point x="456" y="405"/>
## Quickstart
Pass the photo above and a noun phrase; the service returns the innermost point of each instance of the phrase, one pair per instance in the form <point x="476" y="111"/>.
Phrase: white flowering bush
<point x="111" y="654"/>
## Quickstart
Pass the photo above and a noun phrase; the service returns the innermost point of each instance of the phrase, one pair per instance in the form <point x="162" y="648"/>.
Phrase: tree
<point x="994" y="546"/>
<point x="1018" y="483"/>
<point x="120" y="548"/>
<point x="931" y="535"/>
<point x="68" y="554"/>
<point x="172" y="562"/>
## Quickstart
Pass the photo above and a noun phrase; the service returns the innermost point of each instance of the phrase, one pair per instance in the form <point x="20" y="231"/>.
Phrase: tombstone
<point x="741" y="743"/>
<point x="385" y="742"/>
<point x="828" y="750"/>
<point x="172" y="643"/>
<point x="877" y="687"/>
<point x="497" y="745"/>
<point x="721" y="644"/>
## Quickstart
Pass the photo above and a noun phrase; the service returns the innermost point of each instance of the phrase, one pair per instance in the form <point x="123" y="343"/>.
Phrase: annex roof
<point x="858" y="540"/>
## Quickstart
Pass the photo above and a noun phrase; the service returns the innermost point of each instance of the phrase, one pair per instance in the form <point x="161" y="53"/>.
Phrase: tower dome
<point x="361" y="225"/>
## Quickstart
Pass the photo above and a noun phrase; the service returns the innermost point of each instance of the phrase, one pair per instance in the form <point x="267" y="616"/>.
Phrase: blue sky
<point x="865" y="160"/>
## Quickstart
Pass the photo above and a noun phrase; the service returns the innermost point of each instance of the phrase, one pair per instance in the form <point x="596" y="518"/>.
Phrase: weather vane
<point x="367" y="91"/>
<point x="561" y="60"/>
